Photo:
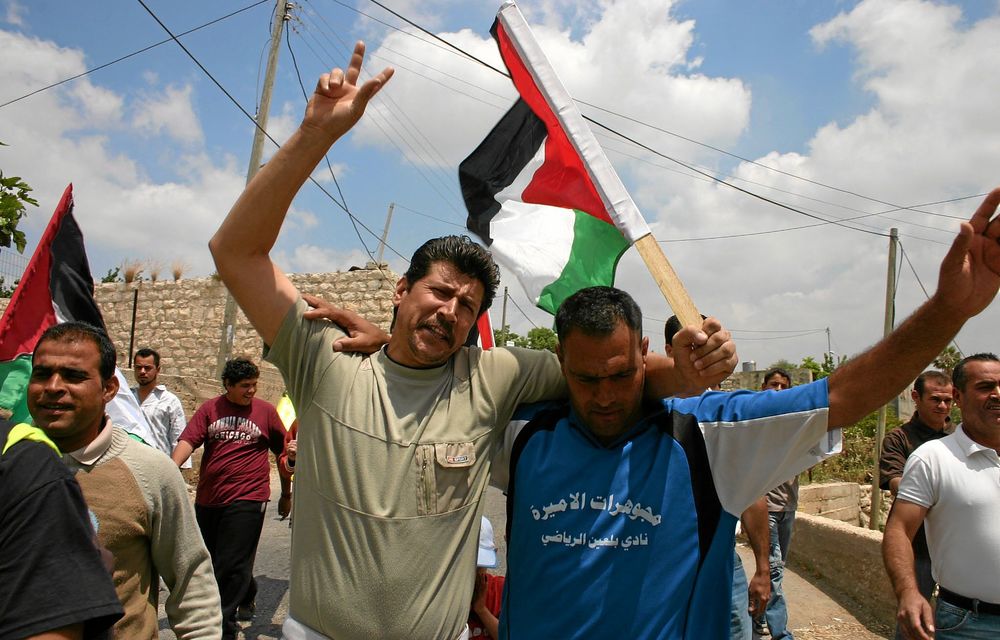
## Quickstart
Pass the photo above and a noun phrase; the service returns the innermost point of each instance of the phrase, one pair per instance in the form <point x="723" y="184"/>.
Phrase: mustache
<point x="444" y="328"/>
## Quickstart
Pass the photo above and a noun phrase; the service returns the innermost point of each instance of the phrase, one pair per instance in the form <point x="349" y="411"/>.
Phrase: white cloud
<point x="168" y="112"/>
<point x="310" y="258"/>
<point x="15" y="13"/>
<point x="627" y="59"/>
<point x="928" y="136"/>
<point x="65" y="135"/>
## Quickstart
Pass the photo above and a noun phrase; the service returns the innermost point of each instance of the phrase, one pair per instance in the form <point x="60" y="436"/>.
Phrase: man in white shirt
<point x="162" y="409"/>
<point x="952" y="486"/>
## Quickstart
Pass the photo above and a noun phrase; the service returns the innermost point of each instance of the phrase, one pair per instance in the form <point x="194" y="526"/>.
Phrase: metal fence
<point x="12" y="266"/>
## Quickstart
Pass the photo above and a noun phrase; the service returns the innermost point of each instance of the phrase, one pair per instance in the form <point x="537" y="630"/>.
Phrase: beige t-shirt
<point x="392" y="463"/>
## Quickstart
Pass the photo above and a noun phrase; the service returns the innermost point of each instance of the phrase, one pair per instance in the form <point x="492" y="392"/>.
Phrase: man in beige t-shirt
<point x="395" y="449"/>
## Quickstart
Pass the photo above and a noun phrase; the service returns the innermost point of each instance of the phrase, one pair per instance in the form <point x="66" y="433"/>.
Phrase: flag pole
<point x="616" y="199"/>
<point x="666" y="278"/>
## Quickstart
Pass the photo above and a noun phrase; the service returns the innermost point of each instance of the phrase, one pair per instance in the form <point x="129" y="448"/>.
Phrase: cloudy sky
<point x="861" y="116"/>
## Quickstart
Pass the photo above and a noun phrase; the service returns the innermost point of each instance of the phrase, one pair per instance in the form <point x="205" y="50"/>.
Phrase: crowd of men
<point x="625" y="473"/>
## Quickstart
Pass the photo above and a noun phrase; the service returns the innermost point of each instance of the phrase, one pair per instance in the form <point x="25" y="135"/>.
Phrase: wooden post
<point x="665" y="276"/>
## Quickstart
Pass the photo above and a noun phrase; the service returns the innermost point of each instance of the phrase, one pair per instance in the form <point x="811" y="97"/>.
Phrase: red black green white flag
<point x="539" y="189"/>
<point x="56" y="287"/>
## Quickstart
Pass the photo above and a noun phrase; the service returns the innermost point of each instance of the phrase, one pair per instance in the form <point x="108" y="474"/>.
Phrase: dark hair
<point x="958" y="377"/>
<point x="930" y="374"/>
<point x="239" y="369"/>
<point x="73" y="331"/>
<point x="671" y="328"/>
<point x="466" y="256"/>
<point x="597" y="311"/>
<point x="777" y="371"/>
<point x="145" y="352"/>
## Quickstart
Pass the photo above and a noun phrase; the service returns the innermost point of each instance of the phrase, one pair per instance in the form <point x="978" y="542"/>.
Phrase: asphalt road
<point x="813" y="614"/>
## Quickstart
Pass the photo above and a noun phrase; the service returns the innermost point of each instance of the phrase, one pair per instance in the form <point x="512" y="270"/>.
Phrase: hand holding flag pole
<point x="541" y="175"/>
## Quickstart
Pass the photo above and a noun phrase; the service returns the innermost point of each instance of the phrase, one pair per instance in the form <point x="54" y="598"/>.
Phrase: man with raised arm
<point x="621" y="512"/>
<point x="395" y="449"/>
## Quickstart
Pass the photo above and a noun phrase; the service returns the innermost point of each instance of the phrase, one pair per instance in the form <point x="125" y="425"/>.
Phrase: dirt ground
<point x="814" y="615"/>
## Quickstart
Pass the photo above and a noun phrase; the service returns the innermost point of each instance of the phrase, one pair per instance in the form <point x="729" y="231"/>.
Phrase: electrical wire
<point x="134" y="53"/>
<point x="254" y="121"/>
<point x="923" y="288"/>
<point x="333" y="174"/>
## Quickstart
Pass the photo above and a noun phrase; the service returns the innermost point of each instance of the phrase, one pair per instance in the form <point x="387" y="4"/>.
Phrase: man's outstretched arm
<point x="968" y="282"/>
<point x="242" y="245"/>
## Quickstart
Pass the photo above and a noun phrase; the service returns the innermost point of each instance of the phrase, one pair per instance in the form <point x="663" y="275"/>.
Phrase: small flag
<point x="56" y="287"/>
<point x="481" y="334"/>
<point x="539" y="190"/>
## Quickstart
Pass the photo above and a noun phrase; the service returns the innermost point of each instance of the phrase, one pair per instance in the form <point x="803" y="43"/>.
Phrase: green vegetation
<point x="540" y="338"/>
<point x="857" y="461"/>
<point x="13" y="198"/>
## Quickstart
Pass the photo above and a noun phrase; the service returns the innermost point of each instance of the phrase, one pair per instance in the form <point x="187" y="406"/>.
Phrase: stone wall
<point x="183" y="321"/>
<point x="850" y="559"/>
<point x="834" y="500"/>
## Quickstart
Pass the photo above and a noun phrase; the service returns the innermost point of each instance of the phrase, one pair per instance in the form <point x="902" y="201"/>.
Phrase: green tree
<point x="113" y="275"/>
<point x="947" y="359"/>
<point x="542" y="339"/>
<point x="13" y="198"/>
<point x="783" y="364"/>
<point x="824" y="369"/>
<point x="5" y="291"/>
<point x="504" y="335"/>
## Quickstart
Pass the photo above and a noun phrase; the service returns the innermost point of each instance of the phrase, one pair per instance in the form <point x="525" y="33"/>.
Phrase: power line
<point x="518" y="307"/>
<point x="254" y="120"/>
<point x="473" y="58"/>
<point x="382" y="111"/>
<point x="134" y="53"/>
<point x="333" y="174"/>
<point x="427" y="215"/>
<point x="420" y="139"/>
<point x="922" y="287"/>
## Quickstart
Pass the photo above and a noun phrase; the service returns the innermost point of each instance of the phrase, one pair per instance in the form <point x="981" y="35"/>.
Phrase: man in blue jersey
<point x="621" y="514"/>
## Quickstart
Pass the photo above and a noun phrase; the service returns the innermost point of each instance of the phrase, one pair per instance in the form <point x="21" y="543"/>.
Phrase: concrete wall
<point x="850" y="559"/>
<point x="183" y="321"/>
<point x="834" y="500"/>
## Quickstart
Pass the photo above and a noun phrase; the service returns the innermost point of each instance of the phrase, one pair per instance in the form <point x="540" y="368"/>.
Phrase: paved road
<point x="813" y="614"/>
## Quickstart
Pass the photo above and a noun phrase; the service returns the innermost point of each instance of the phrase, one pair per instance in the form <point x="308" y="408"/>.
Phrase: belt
<point x="978" y="606"/>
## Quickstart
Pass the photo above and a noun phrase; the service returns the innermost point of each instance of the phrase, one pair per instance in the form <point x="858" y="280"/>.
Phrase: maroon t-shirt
<point x="236" y="438"/>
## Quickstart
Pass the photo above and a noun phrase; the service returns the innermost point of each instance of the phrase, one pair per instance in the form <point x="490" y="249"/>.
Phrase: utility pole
<point x="256" y="151"/>
<point x="503" y="318"/>
<point x="829" y="348"/>
<point x="890" y="317"/>
<point x="385" y="233"/>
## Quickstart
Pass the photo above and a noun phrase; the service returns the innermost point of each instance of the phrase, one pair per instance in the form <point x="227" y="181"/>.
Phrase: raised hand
<point x="338" y="102"/>
<point x="706" y="355"/>
<point x="970" y="272"/>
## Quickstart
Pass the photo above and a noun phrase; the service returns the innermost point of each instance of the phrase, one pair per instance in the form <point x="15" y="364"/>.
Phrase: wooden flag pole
<point x="670" y="285"/>
<point x="527" y="57"/>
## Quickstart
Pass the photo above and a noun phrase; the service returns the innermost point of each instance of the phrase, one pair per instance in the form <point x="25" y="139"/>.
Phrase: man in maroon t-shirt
<point x="234" y="483"/>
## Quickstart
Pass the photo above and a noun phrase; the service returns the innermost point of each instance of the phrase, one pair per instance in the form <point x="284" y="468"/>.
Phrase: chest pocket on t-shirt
<point x="444" y="476"/>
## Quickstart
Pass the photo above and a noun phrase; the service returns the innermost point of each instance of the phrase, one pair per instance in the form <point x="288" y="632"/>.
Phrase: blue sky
<point x="891" y="100"/>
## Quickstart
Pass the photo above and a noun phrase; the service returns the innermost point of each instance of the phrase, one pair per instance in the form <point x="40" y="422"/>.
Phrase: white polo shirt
<point x="958" y="481"/>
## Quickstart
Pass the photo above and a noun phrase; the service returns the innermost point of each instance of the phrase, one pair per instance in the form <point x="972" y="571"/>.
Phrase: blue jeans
<point x="956" y="623"/>
<point x="776" y="615"/>
<point x="739" y="610"/>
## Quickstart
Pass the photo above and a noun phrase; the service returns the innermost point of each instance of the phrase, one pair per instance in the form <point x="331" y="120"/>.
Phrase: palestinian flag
<point x="56" y="287"/>
<point x="539" y="190"/>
